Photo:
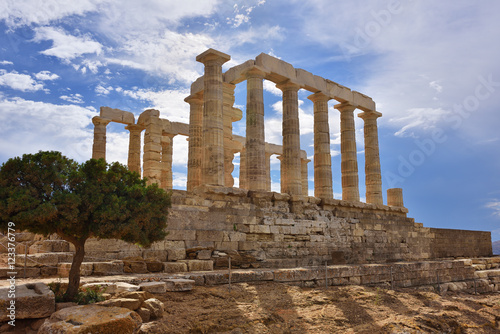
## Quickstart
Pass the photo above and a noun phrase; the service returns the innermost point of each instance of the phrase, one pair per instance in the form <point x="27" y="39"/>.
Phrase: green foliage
<point x="90" y="295"/>
<point x="57" y="288"/>
<point x="48" y="193"/>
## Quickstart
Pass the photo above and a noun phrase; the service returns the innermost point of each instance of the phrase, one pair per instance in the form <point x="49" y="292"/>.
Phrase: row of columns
<point x="207" y="158"/>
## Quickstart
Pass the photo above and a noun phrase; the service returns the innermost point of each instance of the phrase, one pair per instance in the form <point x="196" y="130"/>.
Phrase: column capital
<point x="195" y="98"/>
<point x="288" y="85"/>
<point x="255" y="72"/>
<point x="319" y="97"/>
<point x="134" y="127"/>
<point x="212" y="55"/>
<point x="345" y="106"/>
<point x="370" y="115"/>
<point x="98" y="120"/>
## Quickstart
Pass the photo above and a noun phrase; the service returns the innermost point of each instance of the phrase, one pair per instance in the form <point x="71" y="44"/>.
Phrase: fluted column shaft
<point x="195" y="152"/>
<point x="134" y="148"/>
<point x="213" y="128"/>
<point x="373" y="177"/>
<point x="167" y="142"/>
<point x="243" y="169"/>
<point x="268" y="171"/>
<point x="255" y="137"/>
<point x="99" y="145"/>
<point x="291" y="176"/>
<point x="323" y="187"/>
<point x="349" y="164"/>
<point x="305" y="176"/>
<point x="152" y="147"/>
<point x="228" y="94"/>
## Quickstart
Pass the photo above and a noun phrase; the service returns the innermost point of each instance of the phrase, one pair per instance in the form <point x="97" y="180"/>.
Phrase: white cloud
<point x="270" y="87"/>
<point x="46" y="75"/>
<point x="495" y="206"/>
<point x="101" y="90"/>
<point x="17" y="81"/>
<point x="418" y="118"/>
<point x="64" y="46"/>
<point x="73" y="98"/>
<point x="29" y="126"/>
<point x="25" y="12"/>
<point x="6" y="62"/>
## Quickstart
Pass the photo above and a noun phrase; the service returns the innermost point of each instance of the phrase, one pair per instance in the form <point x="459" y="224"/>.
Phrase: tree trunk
<point x="74" y="273"/>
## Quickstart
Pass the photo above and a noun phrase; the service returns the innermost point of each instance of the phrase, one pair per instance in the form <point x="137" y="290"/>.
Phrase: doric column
<point x="255" y="137"/>
<point x="282" y="184"/>
<point x="349" y="165"/>
<point x="373" y="177"/>
<point x="395" y="197"/>
<point x="322" y="156"/>
<point x="213" y="129"/>
<point x="167" y="142"/>
<point x="230" y="115"/>
<point x="99" y="145"/>
<point x="195" y="152"/>
<point x="134" y="148"/>
<point x="243" y="169"/>
<point x="291" y="171"/>
<point x="305" y="176"/>
<point x="268" y="171"/>
<point x="152" y="146"/>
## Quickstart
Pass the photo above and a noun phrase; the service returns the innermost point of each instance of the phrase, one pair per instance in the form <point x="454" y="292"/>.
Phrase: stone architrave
<point x="373" y="177"/>
<point x="195" y="152"/>
<point x="291" y="175"/>
<point x="152" y="146"/>
<point x="99" y="146"/>
<point x="305" y="176"/>
<point x="255" y="136"/>
<point x="167" y="142"/>
<point x="349" y="164"/>
<point x="213" y="128"/>
<point x="323" y="187"/>
<point x="134" y="147"/>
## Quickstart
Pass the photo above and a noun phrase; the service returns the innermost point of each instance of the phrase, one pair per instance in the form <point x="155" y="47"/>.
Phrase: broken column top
<point x="212" y="54"/>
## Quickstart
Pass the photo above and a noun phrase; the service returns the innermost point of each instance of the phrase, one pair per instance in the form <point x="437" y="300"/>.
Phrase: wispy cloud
<point x="19" y="81"/>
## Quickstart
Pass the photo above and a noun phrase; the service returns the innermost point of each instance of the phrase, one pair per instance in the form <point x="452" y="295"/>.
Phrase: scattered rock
<point x="121" y="286"/>
<point x="34" y="300"/>
<point x="139" y="295"/>
<point x="92" y="319"/>
<point x="144" y="314"/>
<point x="129" y="303"/>
<point x="153" y="287"/>
<point x="155" y="307"/>
<point x="179" y="284"/>
<point x="153" y="328"/>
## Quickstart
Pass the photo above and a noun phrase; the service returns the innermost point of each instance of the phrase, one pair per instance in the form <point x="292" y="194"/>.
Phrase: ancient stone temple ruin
<point x="270" y="229"/>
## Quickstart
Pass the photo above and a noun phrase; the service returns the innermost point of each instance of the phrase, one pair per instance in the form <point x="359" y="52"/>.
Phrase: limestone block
<point x="204" y="254"/>
<point x="153" y="287"/>
<point x="154" y="265"/>
<point x="30" y="272"/>
<point x="178" y="284"/>
<point x="175" y="254"/>
<point x="155" y="307"/>
<point x="144" y="314"/>
<point x="92" y="319"/>
<point x="122" y="287"/>
<point x="275" y="65"/>
<point x="86" y="269"/>
<point x="235" y="74"/>
<point x="109" y="287"/>
<point x="33" y="300"/>
<point x="339" y="92"/>
<point x="306" y="79"/>
<point x="175" y="267"/>
<point x="259" y="229"/>
<point x="108" y="268"/>
<point x="209" y="235"/>
<point x="134" y="265"/>
<point x="320" y="83"/>
<point x="363" y="102"/>
<point x="181" y="235"/>
<point x="199" y="265"/>
<point x="227" y="245"/>
<point x="117" y="115"/>
<point x="128" y="303"/>
<point x="160" y="255"/>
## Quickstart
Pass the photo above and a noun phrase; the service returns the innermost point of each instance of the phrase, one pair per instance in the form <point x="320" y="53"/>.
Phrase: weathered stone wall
<point x="460" y="243"/>
<point x="271" y="230"/>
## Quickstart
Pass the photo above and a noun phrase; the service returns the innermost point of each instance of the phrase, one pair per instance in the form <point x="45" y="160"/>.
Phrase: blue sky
<point x="430" y="66"/>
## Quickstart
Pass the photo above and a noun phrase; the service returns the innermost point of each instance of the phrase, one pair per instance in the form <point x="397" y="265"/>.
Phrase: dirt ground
<point x="280" y="308"/>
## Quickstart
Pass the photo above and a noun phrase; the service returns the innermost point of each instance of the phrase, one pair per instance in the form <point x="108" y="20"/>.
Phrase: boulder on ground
<point x="155" y="307"/>
<point x="121" y="287"/>
<point x="34" y="300"/>
<point x="92" y="319"/>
